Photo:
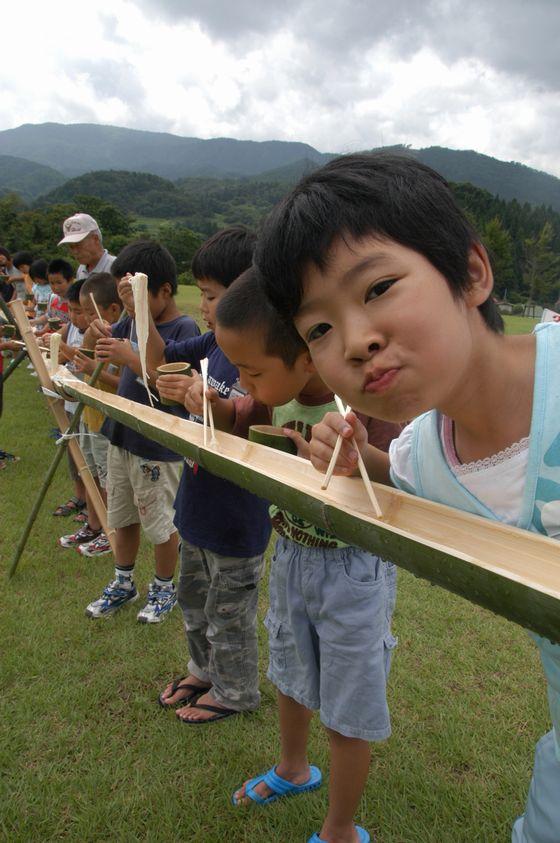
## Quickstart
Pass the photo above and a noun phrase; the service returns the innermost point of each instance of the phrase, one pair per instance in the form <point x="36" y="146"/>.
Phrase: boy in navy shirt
<point x="142" y="475"/>
<point x="224" y="529"/>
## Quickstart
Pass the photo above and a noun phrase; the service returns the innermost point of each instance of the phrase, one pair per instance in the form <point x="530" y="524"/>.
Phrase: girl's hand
<point x="114" y="350"/>
<point x="84" y="364"/>
<point x="324" y="438"/>
<point x="175" y="387"/>
<point x="126" y="295"/>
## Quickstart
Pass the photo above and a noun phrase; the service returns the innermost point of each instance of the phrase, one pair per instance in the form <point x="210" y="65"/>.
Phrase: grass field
<point x="87" y="754"/>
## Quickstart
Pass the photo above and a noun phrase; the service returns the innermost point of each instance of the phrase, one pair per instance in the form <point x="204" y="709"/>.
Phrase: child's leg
<point x="231" y="615"/>
<point x="192" y="593"/>
<point x="127" y="542"/>
<point x="350" y="759"/>
<point x="293" y="766"/>
<point x="166" y="557"/>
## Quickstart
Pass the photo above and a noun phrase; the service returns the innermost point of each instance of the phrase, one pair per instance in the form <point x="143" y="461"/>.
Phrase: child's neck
<point x="169" y="312"/>
<point x="493" y="405"/>
<point x="314" y="388"/>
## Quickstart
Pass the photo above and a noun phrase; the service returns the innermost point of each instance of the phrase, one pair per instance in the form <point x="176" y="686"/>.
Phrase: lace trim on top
<point x="477" y="465"/>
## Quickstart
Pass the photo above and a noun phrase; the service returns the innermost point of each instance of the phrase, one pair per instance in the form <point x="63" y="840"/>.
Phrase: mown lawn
<point x="87" y="754"/>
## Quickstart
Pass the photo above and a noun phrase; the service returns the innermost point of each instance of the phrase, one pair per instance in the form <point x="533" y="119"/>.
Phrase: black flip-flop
<point x="196" y="691"/>
<point x="220" y="714"/>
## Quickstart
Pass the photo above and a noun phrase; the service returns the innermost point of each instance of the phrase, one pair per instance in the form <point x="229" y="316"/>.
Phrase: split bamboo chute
<point x="512" y="572"/>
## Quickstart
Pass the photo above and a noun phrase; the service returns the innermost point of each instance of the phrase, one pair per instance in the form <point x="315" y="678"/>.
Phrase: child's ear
<point x="308" y="364"/>
<point x="480" y="275"/>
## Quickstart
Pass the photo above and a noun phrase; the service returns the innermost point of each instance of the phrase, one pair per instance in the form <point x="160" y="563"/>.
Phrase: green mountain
<point x="82" y="147"/>
<point x="140" y="193"/>
<point x="27" y="178"/>
<point x="508" y="180"/>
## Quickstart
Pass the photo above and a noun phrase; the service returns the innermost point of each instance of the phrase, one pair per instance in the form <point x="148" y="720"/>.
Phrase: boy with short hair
<point x="143" y="476"/>
<point x="224" y="529"/>
<point x="61" y="277"/>
<point x="72" y="338"/>
<point x="40" y="288"/>
<point x="90" y="540"/>
<point x="329" y="620"/>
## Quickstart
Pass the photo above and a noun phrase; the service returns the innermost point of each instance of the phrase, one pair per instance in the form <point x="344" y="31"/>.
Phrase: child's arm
<point x="325" y="436"/>
<point x="87" y="366"/>
<point x="118" y="351"/>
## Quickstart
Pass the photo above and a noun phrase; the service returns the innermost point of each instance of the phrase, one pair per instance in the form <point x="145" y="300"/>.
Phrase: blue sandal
<point x="362" y="835"/>
<point x="280" y="787"/>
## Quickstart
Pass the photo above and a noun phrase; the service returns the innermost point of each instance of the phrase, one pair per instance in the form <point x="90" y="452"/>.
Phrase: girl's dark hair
<point x="38" y="269"/>
<point x="21" y="258"/>
<point x="225" y="255"/>
<point x="245" y="307"/>
<point x="73" y="291"/>
<point x="58" y="266"/>
<point x="148" y="257"/>
<point x="355" y="196"/>
<point x="104" y="289"/>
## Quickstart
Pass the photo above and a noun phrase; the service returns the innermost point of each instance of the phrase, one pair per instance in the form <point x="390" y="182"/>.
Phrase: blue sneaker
<point x="114" y="596"/>
<point x="161" y="600"/>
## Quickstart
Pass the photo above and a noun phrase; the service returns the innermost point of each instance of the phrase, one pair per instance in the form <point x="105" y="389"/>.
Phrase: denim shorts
<point x="329" y="626"/>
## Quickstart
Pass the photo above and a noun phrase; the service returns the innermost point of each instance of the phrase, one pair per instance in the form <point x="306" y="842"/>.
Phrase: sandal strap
<point x="214" y="708"/>
<point x="277" y="784"/>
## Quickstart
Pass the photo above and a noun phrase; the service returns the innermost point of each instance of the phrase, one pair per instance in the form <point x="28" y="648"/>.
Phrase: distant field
<point x="87" y="755"/>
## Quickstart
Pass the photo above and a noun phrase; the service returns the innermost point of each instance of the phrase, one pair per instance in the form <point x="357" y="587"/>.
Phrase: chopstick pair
<point x="208" y="416"/>
<point x="363" y="471"/>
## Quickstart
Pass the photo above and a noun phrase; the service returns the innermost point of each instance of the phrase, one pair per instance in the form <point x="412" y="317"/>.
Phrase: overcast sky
<point x="338" y="74"/>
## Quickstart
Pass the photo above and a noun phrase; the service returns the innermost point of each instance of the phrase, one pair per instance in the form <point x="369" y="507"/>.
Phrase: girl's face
<point x="384" y="331"/>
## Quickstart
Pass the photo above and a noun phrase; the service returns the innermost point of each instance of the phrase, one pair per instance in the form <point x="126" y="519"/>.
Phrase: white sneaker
<point x="161" y="600"/>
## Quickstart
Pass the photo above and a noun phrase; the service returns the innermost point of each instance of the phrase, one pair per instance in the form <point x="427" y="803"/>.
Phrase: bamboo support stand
<point x="56" y="406"/>
<point x="60" y="451"/>
<point x="20" y="356"/>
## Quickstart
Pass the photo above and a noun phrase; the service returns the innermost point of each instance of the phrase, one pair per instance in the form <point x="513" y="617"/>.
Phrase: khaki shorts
<point x="141" y="491"/>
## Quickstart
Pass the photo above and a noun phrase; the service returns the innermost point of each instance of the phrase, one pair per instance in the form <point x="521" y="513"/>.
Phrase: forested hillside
<point x="28" y="179"/>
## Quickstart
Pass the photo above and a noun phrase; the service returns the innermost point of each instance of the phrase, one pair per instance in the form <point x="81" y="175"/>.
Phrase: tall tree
<point x="541" y="274"/>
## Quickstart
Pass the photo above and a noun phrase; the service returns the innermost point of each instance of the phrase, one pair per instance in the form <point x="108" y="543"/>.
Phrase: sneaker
<point x="30" y="366"/>
<point x="161" y="600"/>
<point x="114" y="597"/>
<point x="97" y="547"/>
<point x="84" y="535"/>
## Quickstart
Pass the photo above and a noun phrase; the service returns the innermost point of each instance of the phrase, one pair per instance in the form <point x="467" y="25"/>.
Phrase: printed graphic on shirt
<point x="301" y="418"/>
<point x="223" y="391"/>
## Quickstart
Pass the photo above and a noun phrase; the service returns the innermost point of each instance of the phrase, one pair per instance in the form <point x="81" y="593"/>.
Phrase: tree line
<point x="523" y="239"/>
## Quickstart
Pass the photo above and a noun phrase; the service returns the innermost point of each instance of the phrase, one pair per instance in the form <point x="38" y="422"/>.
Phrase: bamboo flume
<point x="512" y="572"/>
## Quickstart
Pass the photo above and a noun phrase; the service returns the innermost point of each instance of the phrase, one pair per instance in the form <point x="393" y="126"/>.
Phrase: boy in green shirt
<point x="329" y="620"/>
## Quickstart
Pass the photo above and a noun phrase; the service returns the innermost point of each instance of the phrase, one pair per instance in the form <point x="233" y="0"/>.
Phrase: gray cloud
<point x="111" y="78"/>
<point x="513" y="36"/>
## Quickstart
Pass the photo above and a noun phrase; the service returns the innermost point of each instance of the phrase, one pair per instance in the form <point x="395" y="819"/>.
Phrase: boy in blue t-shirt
<point x="142" y="475"/>
<point x="224" y="529"/>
